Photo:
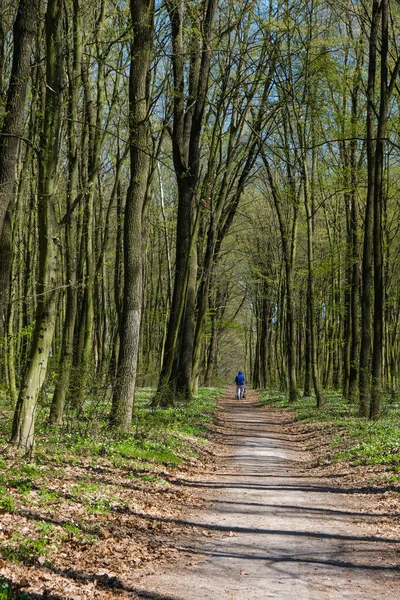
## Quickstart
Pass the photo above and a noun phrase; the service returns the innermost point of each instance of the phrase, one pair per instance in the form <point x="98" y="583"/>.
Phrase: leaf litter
<point x="90" y="532"/>
<point x="99" y="529"/>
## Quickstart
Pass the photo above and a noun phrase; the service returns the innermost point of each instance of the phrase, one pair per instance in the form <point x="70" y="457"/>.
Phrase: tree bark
<point x="142" y="12"/>
<point x="23" y="34"/>
<point x="377" y="353"/>
<point x="24" y="416"/>
<point x="366" y="296"/>
<point x="310" y="254"/>
<point x="355" y="242"/>
<point x="66" y="362"/>
<point x="187" y="128"/>
<point x="288" y="255"/>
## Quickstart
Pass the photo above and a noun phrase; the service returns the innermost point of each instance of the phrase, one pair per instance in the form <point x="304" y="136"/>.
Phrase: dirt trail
<point x="273" y="531"/>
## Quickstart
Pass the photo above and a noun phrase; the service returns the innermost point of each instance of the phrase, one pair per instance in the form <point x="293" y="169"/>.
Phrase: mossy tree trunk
<point x="25" y="412"/>
<point x="367" y="279"/>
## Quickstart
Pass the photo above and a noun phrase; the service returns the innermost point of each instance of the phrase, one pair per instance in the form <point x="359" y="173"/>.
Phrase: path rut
<point x="276" y="531"/>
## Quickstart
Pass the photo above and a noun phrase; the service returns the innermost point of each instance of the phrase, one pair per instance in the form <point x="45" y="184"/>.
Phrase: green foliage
<point x="24" y="487"/>
<point x="4" y="589"/>
<point x="6" y="500"/>
<point x="25" y="549"/>
<point x="146" y="451"/>
<point x="44" y="528"/>
<point x="9" y="592"/>
<point x="73" y="532"/>
<point x="165" y="435"/>
<point x="152" y="479"/>
<point x="32" y="471"/>
<point x="101" y="506"/>
<point x="159" y="436"/>
<point x="48" y="495"/>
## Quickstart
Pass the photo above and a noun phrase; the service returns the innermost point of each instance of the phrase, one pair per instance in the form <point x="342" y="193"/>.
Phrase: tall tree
<point x="66" y="361"/>
<point x="24" y="31"/>
<point x="142" y="12"/>
<point x="25" y="412"/>
<point x="23" y="35"/>
<point x="190" y="94"/>
<point x="386" y="89"/>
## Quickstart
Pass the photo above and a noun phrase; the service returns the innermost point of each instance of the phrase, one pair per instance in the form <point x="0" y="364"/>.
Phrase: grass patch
<point x="7" y="503"/>
<point x="159" y="437"/>
<point x="25" y="549"/>
<point x="167" y="435"/>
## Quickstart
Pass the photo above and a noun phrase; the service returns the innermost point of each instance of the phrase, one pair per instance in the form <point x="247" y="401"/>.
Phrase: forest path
<point x="275" y="531"/>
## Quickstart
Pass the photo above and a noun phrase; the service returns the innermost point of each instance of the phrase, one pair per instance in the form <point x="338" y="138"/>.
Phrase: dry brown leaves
<point x="367" y="484"/>
<point x="102" y="554"/>
<point x="99" y="528"/>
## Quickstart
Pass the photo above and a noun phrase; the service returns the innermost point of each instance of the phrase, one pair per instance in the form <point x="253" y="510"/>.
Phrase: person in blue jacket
<point x="240" y="383"/>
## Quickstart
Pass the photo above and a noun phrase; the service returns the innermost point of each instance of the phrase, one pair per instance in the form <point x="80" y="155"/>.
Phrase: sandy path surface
<point x="271" y="530"/>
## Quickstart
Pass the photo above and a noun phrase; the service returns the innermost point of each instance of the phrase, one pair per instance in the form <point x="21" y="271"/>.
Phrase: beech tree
<point x="24" y="417"/>
<point x="258" y="204"/>
<point x="188" y="110"/>
<point x="142" y="12"/>
<point x="24" y="30"/>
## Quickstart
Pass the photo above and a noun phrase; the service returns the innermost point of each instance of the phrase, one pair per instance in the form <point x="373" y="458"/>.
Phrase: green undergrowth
<point x="166" y="436"/>
<point x="357" y="440"/>
<point x="65" y="495"/>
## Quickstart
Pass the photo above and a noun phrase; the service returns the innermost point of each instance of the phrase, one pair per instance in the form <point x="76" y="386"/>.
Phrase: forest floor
<point x="264" y="515"/>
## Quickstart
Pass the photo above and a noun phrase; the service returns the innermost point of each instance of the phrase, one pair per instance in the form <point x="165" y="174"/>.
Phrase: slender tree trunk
<point x="187" y="128"/>
<point x="377" y="353"/>
<point x="355" y="284"/>
<point x="366" y="296"/>
<point x="184" y="381"/>
<point x="12" y="128"/>
<point x="288" y="255"/>
<point x="307" y="350"/>
<point x="142" y="12"/>
<point x="347" y="316"/>
<point x="94" y="118"/>
<point x="66" y="362"/>
<point x="6" y="241"/>
<point x="213" y="345"/>
<point x="24" y="416"/>
<point x="310" y="254"/>
<point x="23" y="34"/>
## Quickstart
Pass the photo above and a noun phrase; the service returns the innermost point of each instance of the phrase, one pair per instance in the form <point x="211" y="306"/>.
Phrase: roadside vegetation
<point x="357" y="441"/>
<point x="87" y="498"/>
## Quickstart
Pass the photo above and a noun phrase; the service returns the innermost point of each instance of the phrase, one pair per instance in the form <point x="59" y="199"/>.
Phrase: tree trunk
<point x="355" y="276"/>
<point x="307" y="350"/>
<point x="142" y="12"/>
<point x="187" y="127"/>
<point x="310" y="258"/>
<point x="377" y="353"/>
<point x="66" y="362"/>
<point x="23" y="34"/>
<point x="24" y="416"/>
<point x="366" y="296"/>
<point x="288" y="255"/>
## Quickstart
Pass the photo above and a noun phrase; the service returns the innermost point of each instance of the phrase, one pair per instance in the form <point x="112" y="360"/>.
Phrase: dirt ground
<point x="260" y="514"/>
<point x="274" y="526"/>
